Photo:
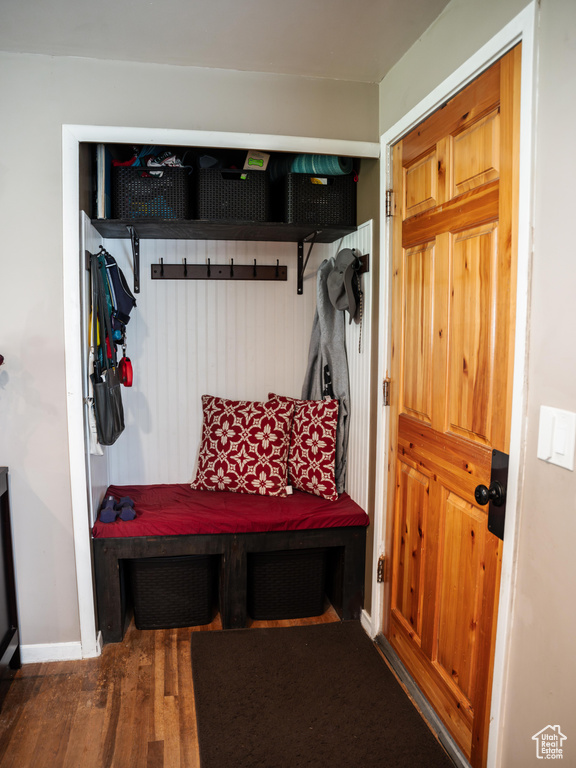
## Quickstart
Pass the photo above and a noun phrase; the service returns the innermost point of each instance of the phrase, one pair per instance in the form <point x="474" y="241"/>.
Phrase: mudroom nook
<point x="171" y="603"/>
<point x="222" y="264"/>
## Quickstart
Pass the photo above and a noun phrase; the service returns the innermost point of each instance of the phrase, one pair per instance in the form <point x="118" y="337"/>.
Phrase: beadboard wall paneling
<point x="358" y="349"/>
<point x="188" y="338"/>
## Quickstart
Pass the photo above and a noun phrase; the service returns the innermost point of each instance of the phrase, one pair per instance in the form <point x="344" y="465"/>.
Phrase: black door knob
<point x="496" y="494"/>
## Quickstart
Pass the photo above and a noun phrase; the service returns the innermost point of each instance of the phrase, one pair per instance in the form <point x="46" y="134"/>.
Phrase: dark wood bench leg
<point x="111" y="608"/>
<point x="233" y="584"/>
<point x="353" y="576"/>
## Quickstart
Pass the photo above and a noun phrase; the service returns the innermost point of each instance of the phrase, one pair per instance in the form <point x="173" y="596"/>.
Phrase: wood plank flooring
<point x="132" y="707"/>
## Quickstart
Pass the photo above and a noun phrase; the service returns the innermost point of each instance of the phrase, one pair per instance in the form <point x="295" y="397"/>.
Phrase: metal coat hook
<point x="277" y="268"/>
<point x="254" y="270"/>
<point x="231" y="267"/>
<point x="185" y="268"/>
<point x="208" y="267"/>
<point x="161" y="267"/>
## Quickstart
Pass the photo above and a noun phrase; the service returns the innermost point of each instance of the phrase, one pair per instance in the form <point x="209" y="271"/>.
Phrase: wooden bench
<point x="346" y="545"/>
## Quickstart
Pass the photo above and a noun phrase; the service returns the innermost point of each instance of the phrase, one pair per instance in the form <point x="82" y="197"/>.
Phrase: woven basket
<point x="173" y="591"/>
<point x="136" y="194"/>
<point x="329" y="204"/>
<point x="287" y="584"/>
<point x="232" y="195"/>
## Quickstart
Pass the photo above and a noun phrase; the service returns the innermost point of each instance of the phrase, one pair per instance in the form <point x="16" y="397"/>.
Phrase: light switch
<point x="557" y="436"/>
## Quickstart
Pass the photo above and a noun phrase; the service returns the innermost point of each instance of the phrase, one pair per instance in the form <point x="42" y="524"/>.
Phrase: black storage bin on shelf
<point x="232" y="195"/>
<point x="289" y="584"/>
<point x="173" y="591"/>
<point x="137" y="194"/>
<point x="332" y="202"/>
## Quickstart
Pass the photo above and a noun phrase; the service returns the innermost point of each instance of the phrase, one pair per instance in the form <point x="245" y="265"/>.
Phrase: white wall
<point x="461" y="29"/>
<point x="38" y="95"/>
<point x="542" y="672"/>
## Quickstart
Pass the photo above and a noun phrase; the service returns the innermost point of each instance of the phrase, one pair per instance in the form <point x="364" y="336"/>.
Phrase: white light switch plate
<point x="557" y="436"/>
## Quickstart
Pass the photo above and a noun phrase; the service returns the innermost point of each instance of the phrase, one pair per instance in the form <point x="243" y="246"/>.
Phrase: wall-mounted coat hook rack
<point x="210" y="271"/>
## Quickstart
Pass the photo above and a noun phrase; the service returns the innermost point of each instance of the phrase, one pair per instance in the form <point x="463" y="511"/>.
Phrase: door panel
<point x="455" y="180"/>
<point x="421" y="185"/>
<point x="477" y="154"/>
<point x="419" y="268"/>
<point x="472" y="333"/>
<point x="459" y="600"/>
<point x="413" y="489"/>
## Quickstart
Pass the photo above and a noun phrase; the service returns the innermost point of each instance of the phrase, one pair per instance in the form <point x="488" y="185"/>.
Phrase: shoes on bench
<point x="125" y="508"/>
<point x="108" y="511"/>
<point x="111" y="509"/>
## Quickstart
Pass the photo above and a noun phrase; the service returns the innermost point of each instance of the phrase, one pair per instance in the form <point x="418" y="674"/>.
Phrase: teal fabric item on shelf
<point x="327" y="165"/>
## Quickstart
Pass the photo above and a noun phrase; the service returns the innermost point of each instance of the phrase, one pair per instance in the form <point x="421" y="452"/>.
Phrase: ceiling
<point x="357" y="40"/>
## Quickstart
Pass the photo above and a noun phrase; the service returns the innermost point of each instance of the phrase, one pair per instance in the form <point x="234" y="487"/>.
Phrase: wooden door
<point x="453" y="315"/>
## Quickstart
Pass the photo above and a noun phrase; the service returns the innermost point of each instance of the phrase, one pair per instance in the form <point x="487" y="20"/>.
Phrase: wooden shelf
<point x="169" y="229"/>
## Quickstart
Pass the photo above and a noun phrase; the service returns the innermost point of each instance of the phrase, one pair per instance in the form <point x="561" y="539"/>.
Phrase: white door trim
<point x="72" y="135"/>
<point x="521" y="28"/>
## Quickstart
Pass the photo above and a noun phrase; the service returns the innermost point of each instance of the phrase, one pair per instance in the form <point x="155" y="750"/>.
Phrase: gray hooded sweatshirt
<point x="327" y="373"/>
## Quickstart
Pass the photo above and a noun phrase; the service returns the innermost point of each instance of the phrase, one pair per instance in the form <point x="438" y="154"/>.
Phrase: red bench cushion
<point x="168" y="510"/>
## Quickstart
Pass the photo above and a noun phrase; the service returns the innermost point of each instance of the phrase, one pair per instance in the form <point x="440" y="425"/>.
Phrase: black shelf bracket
<point x="303" y="262"/>
<point x="208" y="271"/>
<point x="135" y="240"/>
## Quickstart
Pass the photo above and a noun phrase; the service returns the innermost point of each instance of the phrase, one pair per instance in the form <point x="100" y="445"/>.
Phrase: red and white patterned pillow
<point x="244" y="446"/>
<point x="312" y="456"/>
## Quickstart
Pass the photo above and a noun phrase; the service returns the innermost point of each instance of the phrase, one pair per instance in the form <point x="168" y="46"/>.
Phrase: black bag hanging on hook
<point x="122" y="299"/>
<point x="108" y="409"/>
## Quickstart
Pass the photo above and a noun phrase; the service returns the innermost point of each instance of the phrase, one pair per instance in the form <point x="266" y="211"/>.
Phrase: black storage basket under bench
<point x="137" y="193"/>
<point x="289" y="584"/>
<point x="173" y="591"/>
<point x="232" y="195"/>
<point x="319" y="200"/>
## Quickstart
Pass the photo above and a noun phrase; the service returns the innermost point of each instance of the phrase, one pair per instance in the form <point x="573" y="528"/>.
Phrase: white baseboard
<point x="41" y="652"/>
<point x="366" y="622"/>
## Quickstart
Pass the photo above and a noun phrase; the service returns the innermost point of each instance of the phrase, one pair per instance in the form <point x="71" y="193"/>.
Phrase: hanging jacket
<point x="327" y="373"/>
<point x="122" y="299"/>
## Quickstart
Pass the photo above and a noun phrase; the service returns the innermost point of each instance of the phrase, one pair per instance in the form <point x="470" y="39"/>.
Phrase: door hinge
<point x="381" y="569"/>
<point x="386" y="391"/>
<point x="389" y="203"/>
